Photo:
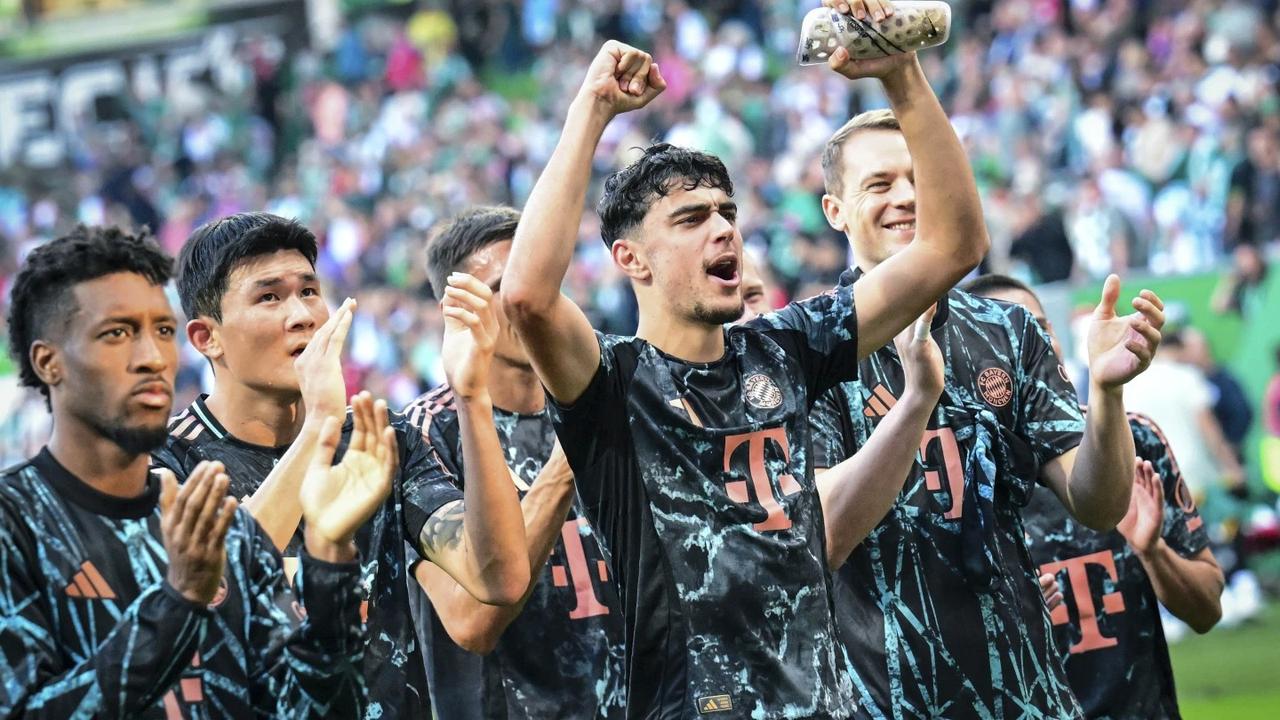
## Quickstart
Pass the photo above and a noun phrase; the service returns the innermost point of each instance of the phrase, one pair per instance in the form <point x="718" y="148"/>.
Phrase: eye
<point x="268" y="297"/>
<point x="878" y="186"/>
<point x="115" y="333"/>
<point x="310" y="292"/>
<point x="730" y="215"/>
<point x="167" y="331"/>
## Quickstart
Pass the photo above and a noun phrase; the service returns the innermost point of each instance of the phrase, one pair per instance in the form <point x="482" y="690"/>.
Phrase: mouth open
<point x="902" y="226"/>
<point x="724" y="270"/>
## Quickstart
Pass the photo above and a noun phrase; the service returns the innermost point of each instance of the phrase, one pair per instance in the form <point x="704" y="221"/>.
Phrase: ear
<point x="833" y="208"/>
<point x="46" y="361"/>
<point x="630" y="258"/>
<point x="204" y="336"/>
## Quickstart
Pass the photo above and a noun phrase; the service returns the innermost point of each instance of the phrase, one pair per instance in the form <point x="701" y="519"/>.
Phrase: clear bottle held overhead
<point x="914" y="25"/>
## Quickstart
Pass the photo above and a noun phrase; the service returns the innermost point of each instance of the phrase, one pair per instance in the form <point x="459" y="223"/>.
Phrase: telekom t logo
<point x="1091" y="637"/>
<point x="577" y="573"/>
<point x="776" y="518"/>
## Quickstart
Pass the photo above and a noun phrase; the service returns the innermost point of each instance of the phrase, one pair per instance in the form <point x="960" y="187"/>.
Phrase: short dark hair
<point x="42" y="288"/>
<point x="984" y="285"/>
<point x="630" y="192"/>
<point x="464" y="235"/>
<point x="216" y="248"/>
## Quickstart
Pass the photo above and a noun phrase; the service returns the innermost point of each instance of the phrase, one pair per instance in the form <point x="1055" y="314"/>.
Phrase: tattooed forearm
<point x="443" y="529"/>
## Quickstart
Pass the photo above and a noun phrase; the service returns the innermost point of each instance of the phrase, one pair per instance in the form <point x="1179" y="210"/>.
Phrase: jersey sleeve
<point x="1183" y="527"/>
<point x="142" y="657"/>
<point x="593" y="430"/>
<point x="428" y="482"/>
<point x="1049" y="418"/>
<point x="828" y="431"/>
<point x="308" y="667"/>
<point x="821" y="333"/>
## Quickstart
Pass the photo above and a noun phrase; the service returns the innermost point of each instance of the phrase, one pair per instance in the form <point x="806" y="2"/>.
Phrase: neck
<point x="256" y="417"/>
<point x="688" y="340"/>
<point x="97" y="461"/>
<point x="515" y="387"/>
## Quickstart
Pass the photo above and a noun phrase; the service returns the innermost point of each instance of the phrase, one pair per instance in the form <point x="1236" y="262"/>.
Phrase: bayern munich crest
<point x="761" y="391"/>
<point x="996" y="386"/>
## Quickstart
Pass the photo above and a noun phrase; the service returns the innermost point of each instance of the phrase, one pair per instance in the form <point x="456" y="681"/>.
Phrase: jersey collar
<point x="90" y="498"/>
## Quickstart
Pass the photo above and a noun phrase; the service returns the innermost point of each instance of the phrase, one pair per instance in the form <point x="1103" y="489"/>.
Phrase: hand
<point x="337" y="499"/>
<point x="1051" y="591"/>
<point x="1141" y="526"/>
<point x="470" y="334"/>
<point x="1122" y="347"/>
<point x="881" y="67"/>
<point x="922" y="364"/>
<point x="876" y="10"/>
<point x="194" y="518"/>
<point x="319" y="367"/>
<point x="622" y="78"/>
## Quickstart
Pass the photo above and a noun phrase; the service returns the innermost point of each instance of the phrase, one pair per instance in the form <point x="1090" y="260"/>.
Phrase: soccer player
<point x="558" y="654"/>
<point x="689" y="443"/>
<point x="940" y="604"/>
<point x="1116" y="657"/>
<point x="125" y="596"/>
<point x="249" y="288"/>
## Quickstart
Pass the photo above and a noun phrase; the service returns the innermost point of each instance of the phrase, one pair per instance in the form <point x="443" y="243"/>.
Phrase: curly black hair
<point x="630" y="192"/>
<point x="42" y="294"/>
<point x="216" y="248"/>
<point x="464" y="235"/>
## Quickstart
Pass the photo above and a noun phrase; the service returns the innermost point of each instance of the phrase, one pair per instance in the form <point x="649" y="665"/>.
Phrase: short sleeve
<point x="428" y="484"/>
<point x="1183" y="529"/>
<point x="1049" y="418"/>
<point x="821" y="333"/>
<point x="828" y="429"/>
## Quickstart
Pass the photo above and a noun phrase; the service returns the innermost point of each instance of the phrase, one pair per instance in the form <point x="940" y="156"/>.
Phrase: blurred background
<point x="1133" y="136"/>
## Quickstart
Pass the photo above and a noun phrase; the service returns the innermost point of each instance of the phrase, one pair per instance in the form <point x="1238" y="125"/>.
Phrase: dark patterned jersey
<point x="562" y="657"/>
<point x="393" y="659"/>
<point x="698" y="477"/>
<point x="939" y="605"/>
<point x="91" y="629"/>
<point x="1109" y="623"/>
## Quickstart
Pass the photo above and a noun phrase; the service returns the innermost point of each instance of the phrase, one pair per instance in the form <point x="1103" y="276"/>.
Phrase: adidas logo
<point x="714" y="704"/>
<point x="880" y="402"/>
<point x="88" y="583"/>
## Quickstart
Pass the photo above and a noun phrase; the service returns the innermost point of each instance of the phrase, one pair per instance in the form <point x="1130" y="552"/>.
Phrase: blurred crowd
<point x="1106" y="135"/>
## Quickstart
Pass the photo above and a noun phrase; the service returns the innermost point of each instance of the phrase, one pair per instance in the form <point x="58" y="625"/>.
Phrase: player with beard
<point x="125" y="596"/>
<point x="1116" y="656"/>
<point x="558" y="653"/>
<point x="689" y="443"/>
<point x="249" y="288"/>
<point x="940" y="604"/>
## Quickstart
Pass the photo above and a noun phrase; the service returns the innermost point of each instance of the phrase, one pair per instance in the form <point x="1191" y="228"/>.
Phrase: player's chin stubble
<point x="717" y="316"/>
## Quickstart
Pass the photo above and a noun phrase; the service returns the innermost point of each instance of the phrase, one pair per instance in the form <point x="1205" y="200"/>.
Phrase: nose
<point x="721" y="228"/>
<point x="148" y="355"/>
<point x="903" y="194"/>
<point x="299" y="316"/>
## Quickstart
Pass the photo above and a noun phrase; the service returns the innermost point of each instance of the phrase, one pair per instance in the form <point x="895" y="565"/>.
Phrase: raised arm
<point x="1191" y="587"/>
<point x="857" y="493"/>
<point x="557" y="335"/>
<point x="275" y="503"/>
<point x="951" y="236"/>
<point x="1093" y="481"/>
<point x="473" y="625"/>
<point x="480" y="541"/>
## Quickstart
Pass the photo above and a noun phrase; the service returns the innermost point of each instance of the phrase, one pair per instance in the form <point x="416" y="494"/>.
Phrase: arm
<point x="1211" y="429"/>
<point x="857" y="493"/>
<point x="557" y="335"/>
<point x="951" y="235"/>
<point x="139" y="660"/>
<point x="479" y="542"/>
<point x="1191" y="587"/>
<point x="315" y="670"/>
<point x="473" y="625"/>
<point x="275" y="504"/>
<point x="1093" y="481"/>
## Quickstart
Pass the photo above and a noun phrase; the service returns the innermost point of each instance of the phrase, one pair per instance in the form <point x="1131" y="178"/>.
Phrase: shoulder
<point x="16" y="485"/>
<point x="1146" y="433"/>
<point x="433" y="410"/>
